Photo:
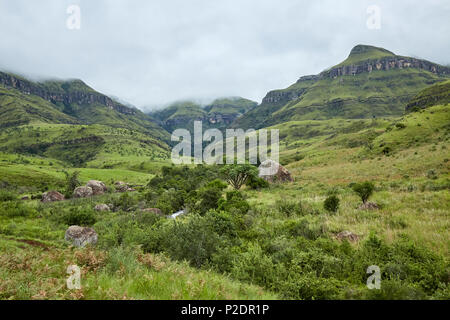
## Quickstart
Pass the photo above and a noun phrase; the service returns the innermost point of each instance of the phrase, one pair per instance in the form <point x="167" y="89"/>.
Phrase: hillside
<point x="71" y="122"/>
<point x="371" y="83"/>
<point x="218" y="114"/>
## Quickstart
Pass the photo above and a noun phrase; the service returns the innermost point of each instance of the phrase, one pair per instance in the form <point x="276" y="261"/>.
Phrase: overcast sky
<point x="153" y="52"/>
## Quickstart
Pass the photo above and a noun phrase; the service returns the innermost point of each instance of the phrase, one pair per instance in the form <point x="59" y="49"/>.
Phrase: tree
<point x="238" y="174"/>
<point x="364" y="190"/>
<point x="71" y="182"/>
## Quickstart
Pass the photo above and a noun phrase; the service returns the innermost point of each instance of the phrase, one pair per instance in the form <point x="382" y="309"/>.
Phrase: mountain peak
<point x="368" y="50"/>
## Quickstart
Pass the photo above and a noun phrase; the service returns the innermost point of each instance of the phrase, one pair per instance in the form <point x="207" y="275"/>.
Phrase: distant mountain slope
<point x="71" y="122"/>
<point x="433" y="95"/>
<point x="70" y="101"/>
<point x="219" y="114"/>
<point x="371" y="82"/>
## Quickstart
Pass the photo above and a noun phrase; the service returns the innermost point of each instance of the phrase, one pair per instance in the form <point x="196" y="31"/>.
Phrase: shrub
<point x="79" y="217"/>
<point x="256" y="183"/>
<point x="192" y="239"/>
<point x="364" y="190"/>
<point x="71" y="183"/>
<point x="7" y="196"/>
<point x="289" y="208"/>
<point x="234" y="203"/>
<point x="15" y="209"/>
<point x="331" y="203"/>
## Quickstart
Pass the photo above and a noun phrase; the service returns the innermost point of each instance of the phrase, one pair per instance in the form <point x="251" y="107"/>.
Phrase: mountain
<point x="71" y="122"/>
<point x="371" y="82"/>
<point x="218" y="114"/>
<point x="438" y="94"/>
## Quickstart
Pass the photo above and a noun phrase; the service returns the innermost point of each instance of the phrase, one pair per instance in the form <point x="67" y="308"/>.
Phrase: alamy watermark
<point x="240" y="146"/>
<point x="74" y="279"/>
<point x="373" y="21"/>
<point x="374" y="280"/>
<point x="73" y="21"/>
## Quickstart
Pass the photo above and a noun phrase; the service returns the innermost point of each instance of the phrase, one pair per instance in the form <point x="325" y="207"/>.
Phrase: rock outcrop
<point x="52" y="196"/>
<point x="272" y="171"/>
<point x="369" y="206"/>
<point x="81" y="236"/>
<point x="102" y="207"/>
<point x="98" y="187"/>
<point x="154" y="210"/>
<point x="83" y="192"/>
<point x="347" y="235"/>
<point x="123" y="187"/>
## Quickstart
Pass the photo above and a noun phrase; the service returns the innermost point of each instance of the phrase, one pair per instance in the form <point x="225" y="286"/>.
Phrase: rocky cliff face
<point x="67" y="98"/>
<point x="386" y="64"/>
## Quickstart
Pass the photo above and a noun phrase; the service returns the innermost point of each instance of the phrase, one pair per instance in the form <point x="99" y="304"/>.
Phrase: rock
<point x="154" y="210"/>
<point x="25" y="198"/>
<point x="98" y="187"/>
<point x="272" y="171"/>
<point x="369" y="206"/>
<point x="121" y="186"/>
<point x="52" y="196"/>
<point x="347" y="235"/>
<point x="81" y="236"/>
<point x="102" y="207"/>
<point x="83" y="192"/>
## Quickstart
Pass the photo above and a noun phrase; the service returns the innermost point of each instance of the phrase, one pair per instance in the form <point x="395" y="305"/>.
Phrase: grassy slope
<point x="415" y="202"/>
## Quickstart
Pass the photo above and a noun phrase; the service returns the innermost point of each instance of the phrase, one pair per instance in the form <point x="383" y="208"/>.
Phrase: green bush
<point x="289" y="208"/>
<point x="256" y="183"/>
<point x="331" y="204"/>
<point x="7" y="196"/>
<point x="364" y="190"/>
<point x="79" y="217"/>
<point x="15" y="209"/>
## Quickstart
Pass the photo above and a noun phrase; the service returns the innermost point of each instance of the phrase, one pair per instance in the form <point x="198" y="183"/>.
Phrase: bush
<point x="256" y="183"/>
<point x="234" y="203"/>
<point x="79" y="217"/>
<point x="364" y="190"/>
<point x="289" y="208"/>
<point x="15" y="209"/>
<point x="7" y="196"/>
<point x="331" y="204"/>
<point x="192" y="239"/>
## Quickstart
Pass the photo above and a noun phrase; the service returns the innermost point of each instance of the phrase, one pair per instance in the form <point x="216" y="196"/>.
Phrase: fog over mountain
<point x="153" y="52"/>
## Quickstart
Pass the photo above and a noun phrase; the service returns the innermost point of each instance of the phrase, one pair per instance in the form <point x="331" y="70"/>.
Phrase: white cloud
<point x="154" y="52"/>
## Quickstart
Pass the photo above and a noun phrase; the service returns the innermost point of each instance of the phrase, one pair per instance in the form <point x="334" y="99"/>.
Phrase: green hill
<point x="433" y="95"/>
<point x="71" y="122"/>
<point x="371" y="82"/>
<point x="218" y="114"/>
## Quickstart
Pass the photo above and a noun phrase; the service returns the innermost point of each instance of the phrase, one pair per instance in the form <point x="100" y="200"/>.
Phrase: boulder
<point x="81" y="236"/>
<point x="83" y="192"/>
<point x="102" y="207"/>
<point x="347" y="235"/>
<point x="369" y="206"/>
<point x="121" y="186"/>
<point x="154" y="210"/>
<point x="98" y="187"/>
<point x="272" y="171"/>
<point x="52" y="196"/>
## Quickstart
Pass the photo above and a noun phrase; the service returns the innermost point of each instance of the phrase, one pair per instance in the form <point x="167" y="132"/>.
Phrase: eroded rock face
<point x="102" y="207"/>
<point x="83" y="192"/>
<point x="350" y="236"/>
<point x="52" y="196"/>
<point x="272" y="171"/>
<point x="154" y="210"/>
<point x="98" y="187"/>
<point x="81" y="236"/>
